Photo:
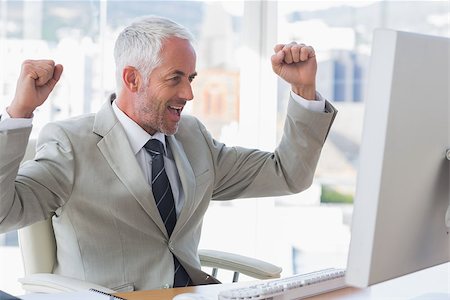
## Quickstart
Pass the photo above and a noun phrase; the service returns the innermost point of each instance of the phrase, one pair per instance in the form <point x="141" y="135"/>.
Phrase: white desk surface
<point x="429" y="284"/>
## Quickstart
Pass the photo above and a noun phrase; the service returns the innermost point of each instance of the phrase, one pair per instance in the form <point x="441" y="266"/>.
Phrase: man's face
<point x="160" y="101"/>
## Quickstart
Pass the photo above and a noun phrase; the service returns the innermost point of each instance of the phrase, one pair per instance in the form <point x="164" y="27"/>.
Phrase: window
<point x="236" y="95"/>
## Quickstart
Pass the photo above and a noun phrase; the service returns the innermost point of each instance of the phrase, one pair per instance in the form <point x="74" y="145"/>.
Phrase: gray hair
<point x="139" y="45"/>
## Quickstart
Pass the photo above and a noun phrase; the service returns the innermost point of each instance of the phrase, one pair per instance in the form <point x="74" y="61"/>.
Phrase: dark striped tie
<point x="162" y="193"/>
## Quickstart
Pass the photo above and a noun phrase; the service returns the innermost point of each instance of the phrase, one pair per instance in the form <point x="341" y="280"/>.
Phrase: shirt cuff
<point x="317" y="105"/>
<point x="8" y="123"/>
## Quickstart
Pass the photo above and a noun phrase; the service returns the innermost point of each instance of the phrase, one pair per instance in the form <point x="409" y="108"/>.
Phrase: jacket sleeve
<point x="243" y="173"/>
<point x="33" y="191"/>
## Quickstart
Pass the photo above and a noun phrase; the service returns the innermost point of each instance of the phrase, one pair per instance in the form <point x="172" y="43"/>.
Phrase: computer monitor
<point x="402" y="191"/>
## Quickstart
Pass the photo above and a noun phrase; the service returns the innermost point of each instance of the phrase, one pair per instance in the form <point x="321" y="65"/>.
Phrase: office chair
<point x="38" y="247"/>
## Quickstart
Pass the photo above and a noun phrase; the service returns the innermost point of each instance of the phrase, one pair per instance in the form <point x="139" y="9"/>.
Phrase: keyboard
<point x="290" y="288"/>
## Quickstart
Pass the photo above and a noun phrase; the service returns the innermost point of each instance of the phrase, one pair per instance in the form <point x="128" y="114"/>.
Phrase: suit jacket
<point x="107" y="227"/>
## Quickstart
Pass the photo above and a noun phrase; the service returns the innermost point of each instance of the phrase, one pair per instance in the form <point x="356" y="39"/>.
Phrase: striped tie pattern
<point x="162" y="193"/>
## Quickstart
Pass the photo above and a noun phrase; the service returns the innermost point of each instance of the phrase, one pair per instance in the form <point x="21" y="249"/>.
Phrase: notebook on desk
<point x="85" y="295"/>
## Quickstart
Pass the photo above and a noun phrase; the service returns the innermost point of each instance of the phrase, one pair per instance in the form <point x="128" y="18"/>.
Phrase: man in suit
<point x="97" y="175"/>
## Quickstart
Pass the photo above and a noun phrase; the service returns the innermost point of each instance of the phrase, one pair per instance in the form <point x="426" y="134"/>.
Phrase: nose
<point x="186" y="92"/>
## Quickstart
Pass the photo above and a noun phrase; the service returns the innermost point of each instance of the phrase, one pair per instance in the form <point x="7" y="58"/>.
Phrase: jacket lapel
<point x="187" y="178"/>
<point x="120" y="157"/>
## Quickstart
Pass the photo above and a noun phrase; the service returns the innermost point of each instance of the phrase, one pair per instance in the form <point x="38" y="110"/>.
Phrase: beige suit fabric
<point x="107" y="227"/>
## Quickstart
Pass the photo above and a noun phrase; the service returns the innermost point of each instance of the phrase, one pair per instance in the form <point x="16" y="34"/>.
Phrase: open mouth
<point x="175" y="109"/>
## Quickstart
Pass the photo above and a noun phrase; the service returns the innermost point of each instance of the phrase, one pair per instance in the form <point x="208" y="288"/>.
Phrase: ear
<point x="131" y="79"/>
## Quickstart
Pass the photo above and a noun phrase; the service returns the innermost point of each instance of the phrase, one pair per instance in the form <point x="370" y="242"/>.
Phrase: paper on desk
<point x="85" y="295"/>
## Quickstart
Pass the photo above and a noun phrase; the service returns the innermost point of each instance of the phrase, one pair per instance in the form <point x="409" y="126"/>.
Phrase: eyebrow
<point x="181" y="73"/>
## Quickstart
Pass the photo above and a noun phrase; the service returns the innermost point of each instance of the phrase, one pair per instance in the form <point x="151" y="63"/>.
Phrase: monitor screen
<point x="402" y="192"/>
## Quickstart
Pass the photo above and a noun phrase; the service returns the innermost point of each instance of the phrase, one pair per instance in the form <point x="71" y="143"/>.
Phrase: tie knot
<point x="154" y="147"/>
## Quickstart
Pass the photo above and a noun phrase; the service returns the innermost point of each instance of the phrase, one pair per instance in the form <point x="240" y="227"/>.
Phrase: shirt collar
<point x="137" y="136"/>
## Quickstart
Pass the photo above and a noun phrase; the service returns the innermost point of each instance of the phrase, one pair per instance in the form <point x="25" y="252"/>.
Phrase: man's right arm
<point x="40" y="186"/>
<point x="22" y="197"/>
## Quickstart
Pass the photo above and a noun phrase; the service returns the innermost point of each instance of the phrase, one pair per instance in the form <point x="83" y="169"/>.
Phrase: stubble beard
<point x="152" y="114"/>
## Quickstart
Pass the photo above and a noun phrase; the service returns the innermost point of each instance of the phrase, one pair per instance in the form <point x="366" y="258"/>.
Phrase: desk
<point x="433" y="282"/>
<point x="214" y="289"/>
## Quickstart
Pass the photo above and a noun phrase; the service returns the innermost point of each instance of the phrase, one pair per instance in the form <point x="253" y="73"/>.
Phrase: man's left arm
<point x="290" y="168"/>
<point x="249" y="173"/>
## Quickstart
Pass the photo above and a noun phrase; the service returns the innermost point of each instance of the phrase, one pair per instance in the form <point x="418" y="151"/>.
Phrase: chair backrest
<point x="37" y="241"/>
<point x="38" y="247"/>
